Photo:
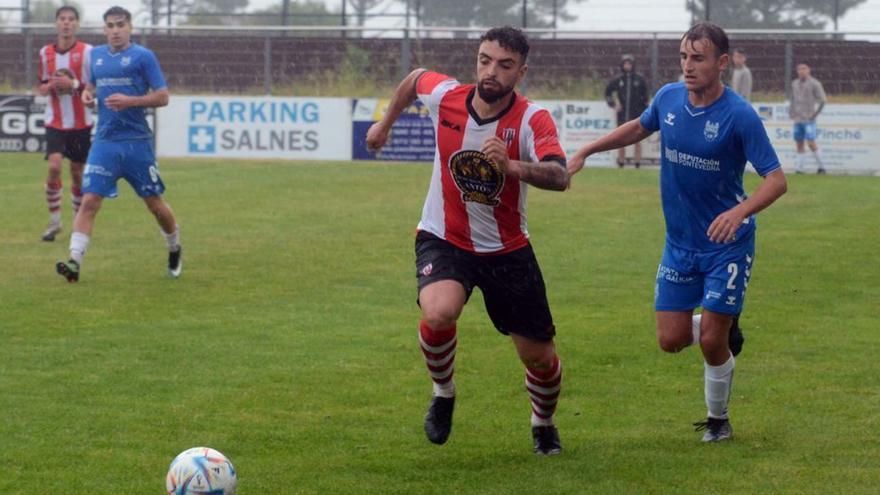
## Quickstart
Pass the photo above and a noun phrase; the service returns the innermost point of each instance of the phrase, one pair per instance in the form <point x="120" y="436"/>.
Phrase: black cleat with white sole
<point x="175" y="262"/>
<point x="546" y="440"/>
<point x="51" y="231"/>
<point x="717" y="429"/>
<point x="68" y="269"/>
<point x="438" y="421"/>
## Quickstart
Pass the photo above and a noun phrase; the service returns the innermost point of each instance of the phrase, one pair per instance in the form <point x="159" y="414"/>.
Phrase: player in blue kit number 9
<point x="707" y="133"/>
<point x="125" y="79"/>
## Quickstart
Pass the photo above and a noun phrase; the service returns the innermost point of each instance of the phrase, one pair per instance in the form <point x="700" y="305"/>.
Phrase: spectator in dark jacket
<point x="627" y="94"/>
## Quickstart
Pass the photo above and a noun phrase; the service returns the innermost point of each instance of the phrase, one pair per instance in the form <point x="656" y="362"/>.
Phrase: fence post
<point x="655" y="63"/>
<point x="29" y="59"/>
<point x="789" y="59"/>
<point x="267" y="65"/>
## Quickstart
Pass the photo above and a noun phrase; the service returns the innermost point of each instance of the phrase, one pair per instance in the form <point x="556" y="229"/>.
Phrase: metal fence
<point x="291" y="59"/>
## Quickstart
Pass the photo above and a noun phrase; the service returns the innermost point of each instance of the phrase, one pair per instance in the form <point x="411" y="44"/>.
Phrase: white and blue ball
<point x="200" y="471"/>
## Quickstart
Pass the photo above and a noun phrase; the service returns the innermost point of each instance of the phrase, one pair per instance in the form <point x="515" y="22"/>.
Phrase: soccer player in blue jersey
<point x="125" y="79"/>
<point x="707" y="133"/>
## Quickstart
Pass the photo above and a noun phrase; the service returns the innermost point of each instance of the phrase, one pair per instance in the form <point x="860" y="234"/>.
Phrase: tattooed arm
<point x="550" y="174"/>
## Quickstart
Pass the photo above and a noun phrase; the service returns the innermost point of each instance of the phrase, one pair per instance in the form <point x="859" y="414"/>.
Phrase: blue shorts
<point x="716" y="280"/>
<point x="805" y="131"/>
<point x="132" y="160"/>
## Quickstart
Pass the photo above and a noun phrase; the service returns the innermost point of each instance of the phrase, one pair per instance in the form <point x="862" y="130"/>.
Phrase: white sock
<point x="800" y="161"/>
<point x="818" y="156"/>
<point x="172" y="239"/>
<point x="718" y="384"/>
<point x="79" y="242"/>
<point x="55" y="217"/>
<point x="695" y="328"/>
<point x="539" y="421"/>
<point x="446" y="390"/>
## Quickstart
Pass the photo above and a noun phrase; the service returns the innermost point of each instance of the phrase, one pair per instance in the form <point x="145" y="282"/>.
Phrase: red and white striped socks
<point x="53" y="199"/>
<point x="54" y="192"/>
<point x="439" y="350"/>
<point x="76" y="199"/>
<point x="543" y="388"/>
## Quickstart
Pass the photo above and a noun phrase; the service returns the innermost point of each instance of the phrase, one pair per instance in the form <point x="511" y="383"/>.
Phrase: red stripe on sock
<point x="436" y="339"/>
<point x="545" y="379"/>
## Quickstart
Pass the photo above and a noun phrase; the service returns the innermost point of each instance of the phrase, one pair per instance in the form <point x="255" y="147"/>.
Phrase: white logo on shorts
<point x="427" y="269"/>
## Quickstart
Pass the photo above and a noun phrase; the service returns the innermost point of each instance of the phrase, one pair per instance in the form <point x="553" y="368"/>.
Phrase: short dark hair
<point x="510" y="38"/>
<point x="67" y="8"/>
<point x="711" y="32"/>
<point x="116" y="10"/>
<point x="739" y="50"/>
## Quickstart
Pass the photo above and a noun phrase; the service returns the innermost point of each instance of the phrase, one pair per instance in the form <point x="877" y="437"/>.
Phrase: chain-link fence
<point x="368" y="62"/>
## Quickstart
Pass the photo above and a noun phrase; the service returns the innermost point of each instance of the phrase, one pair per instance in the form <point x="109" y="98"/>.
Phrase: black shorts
<point x="73" y="145"/>
<point x="512" y="284"/>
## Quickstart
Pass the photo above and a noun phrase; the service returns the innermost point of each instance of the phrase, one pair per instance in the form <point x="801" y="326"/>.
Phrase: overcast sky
<point x="641" y="15"/>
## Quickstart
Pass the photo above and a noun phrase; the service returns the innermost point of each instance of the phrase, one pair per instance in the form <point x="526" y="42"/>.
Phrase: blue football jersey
<point x="703" y="153"/>
<point x="133" y="72"/>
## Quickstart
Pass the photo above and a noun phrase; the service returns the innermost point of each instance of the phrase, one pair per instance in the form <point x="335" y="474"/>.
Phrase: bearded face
<point x="498" y="71"/>
<point x="491" y="90"/>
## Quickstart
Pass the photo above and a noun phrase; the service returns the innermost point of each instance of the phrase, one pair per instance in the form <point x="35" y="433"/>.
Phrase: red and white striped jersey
<point x="469" y="203"/>
<point x="66" y="111"/>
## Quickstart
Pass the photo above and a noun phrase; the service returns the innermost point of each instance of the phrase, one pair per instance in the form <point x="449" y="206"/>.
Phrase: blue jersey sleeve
<point x="650" y="119"/>
<point x="756" y="144"/>
<point x="152" y="72"/>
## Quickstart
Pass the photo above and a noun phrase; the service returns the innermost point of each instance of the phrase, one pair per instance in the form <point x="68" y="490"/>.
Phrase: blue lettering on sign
<point x="248" y="112"/>
<point x="582" y="123"/>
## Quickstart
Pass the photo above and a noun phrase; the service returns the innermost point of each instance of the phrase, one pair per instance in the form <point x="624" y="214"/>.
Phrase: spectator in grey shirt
<point x="741" y="79"/>
<point x="807" y="100"/>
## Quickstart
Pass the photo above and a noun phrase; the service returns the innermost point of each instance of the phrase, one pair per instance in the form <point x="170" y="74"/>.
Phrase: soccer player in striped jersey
<point x="125" y="78"/>
<point x="707" y="133"/>
<point x="62" y="72"/>
<point x="491" y="144"/>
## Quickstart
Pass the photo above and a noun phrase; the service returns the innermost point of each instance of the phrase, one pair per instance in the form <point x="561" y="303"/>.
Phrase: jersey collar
<point x="697" y="111"/>
<point x="473" y="113"/>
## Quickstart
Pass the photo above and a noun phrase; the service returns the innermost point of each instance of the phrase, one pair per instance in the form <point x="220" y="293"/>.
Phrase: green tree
<point x="301" y="13"/>
<point x="361" y="8"/>
<point x="201" y="12"/>
<point x="770" y="14"/>
<point x="43" y="11"/>
<point x="465" y="13"/>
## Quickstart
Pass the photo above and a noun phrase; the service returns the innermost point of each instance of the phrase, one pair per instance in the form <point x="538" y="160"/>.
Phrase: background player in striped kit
<point x="63" y="70"/>
<point x="707" y="133"/>
<point x="491" y="142"/>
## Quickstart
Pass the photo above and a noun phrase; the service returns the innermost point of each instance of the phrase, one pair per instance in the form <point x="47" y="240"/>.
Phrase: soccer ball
<point x="200" y="471"/>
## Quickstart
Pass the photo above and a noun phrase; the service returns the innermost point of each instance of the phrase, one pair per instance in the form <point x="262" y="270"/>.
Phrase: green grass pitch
<point x="289" y="343"/>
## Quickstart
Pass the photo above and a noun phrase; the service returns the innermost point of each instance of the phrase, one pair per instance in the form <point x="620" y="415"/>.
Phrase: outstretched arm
<point x="725" y="225"/>
<point x="404" y="96"/>
<point x="625" y="135"/>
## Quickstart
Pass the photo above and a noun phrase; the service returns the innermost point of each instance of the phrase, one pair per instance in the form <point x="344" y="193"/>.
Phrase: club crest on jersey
<point x="75" y="57"/>
<point x="125" y="61"/>
<point x="507" y="134"/>
<point x="710" y="132"/>
<point x="477" y="177"/>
